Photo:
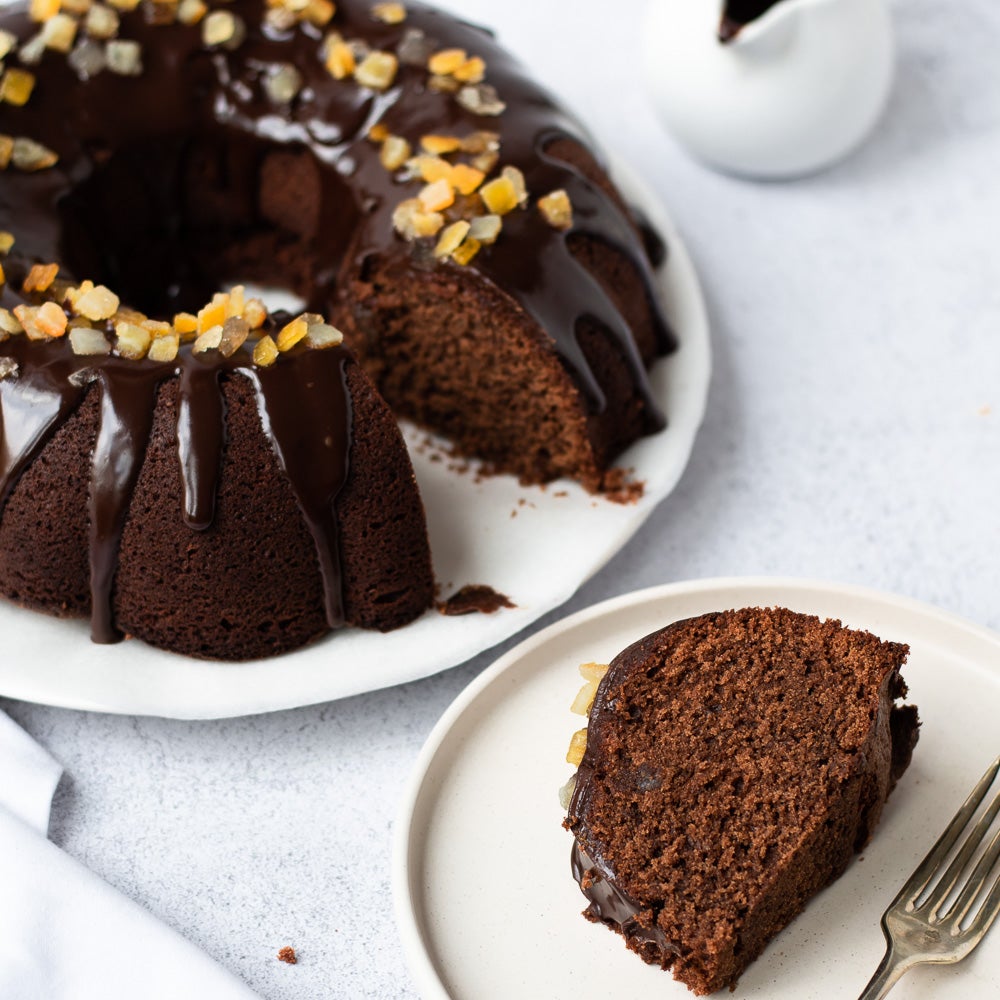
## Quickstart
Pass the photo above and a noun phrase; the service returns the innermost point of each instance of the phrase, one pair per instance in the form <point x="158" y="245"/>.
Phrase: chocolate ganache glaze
<point x="195" y="112"/>
<point x="610" y="904"/>
<point x="305" y="411"/>
<point x="157" y="190"/>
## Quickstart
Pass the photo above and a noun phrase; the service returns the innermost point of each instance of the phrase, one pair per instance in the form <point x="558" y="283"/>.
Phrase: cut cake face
<point x="733" y="765"/>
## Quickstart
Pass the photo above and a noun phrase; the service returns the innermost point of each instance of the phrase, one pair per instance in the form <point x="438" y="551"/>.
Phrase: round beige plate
<point x="485" y="902"/>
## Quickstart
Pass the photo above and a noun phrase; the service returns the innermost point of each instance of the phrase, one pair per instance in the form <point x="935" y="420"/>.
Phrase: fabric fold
<point x="64" y="933"/>
<point x="29" y="776"/>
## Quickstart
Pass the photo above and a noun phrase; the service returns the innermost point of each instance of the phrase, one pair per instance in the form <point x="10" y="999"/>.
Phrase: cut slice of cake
<point x="733" y="764"/>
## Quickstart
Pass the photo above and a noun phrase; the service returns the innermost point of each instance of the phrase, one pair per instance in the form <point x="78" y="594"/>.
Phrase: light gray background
<point x="853" y="434"/>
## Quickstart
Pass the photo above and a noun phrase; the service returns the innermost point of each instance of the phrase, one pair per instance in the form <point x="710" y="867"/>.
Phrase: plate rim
<point x="416" y="951"/>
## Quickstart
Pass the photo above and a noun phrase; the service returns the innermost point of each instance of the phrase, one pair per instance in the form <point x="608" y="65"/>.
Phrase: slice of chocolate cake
<point x="733" y="764"/>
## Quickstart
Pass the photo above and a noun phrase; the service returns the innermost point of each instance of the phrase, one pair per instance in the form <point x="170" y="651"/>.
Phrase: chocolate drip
<point x="652" y="241"/>
<point x="127" y="402"/>
<point x="201" y="430"/>
<point x="610" y="904"/>
<point x="306" y="412"/>
<point x="31" y="411"/>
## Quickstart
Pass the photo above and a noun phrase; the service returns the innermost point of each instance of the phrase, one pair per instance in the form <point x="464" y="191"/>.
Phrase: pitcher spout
<point x="763" y="26"/>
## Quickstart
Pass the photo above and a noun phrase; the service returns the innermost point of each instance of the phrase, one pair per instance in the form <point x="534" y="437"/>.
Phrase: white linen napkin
<point x="64" y="933"/>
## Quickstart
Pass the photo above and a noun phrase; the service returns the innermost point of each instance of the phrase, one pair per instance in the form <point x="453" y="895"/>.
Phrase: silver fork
<point x="929" y="921"/>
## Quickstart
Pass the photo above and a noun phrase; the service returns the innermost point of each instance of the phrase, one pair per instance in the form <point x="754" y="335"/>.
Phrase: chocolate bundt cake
<point x="390" y="165"/>
<point x="732" y="765"/>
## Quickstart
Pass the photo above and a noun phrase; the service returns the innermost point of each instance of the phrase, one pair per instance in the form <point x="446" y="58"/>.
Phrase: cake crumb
<point x="475" y="597"/>
<point x="288" y="956"/>
<point x="618" y="486"/>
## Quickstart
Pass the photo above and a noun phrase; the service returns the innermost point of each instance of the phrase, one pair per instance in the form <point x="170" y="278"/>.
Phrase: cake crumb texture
<point x="734" y="764"/>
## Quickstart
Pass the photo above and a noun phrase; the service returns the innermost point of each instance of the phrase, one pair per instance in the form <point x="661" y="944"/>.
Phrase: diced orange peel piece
<point x="185" y="323"/>
<point x="446" y="61"/>
<point x="213" y="314"/>
<point x="469" y="248"/>
<point x="516" y="179"/>
<point x="593" y="671"/>
<point x="234" y="334"/>
<point x="165" y="348"/>
<point x="377" y="70"/>
<point x="291" y="334"/>
<point x="486" y="228"/>
<point x="96" y="303"/>
<point x="255" y="313"/>
<point x="471" y="71"/>
<point x="40" y="277"/>
<point x="499" y="195"/>
<point x="437" y="196"/>
<point x="319" y="12"/>
<point x="412" y="221"/>
<point x="440" y="144"/>
<point x="466" y="179"/>
<point x="41" y="10"/>
<point x="389" y="13"/>
<point x="451" y="238"/>
<point x="432" y="168"/>
<point x="577" y="747"/>
<point x="394" y="153"/>
<point x="339" y="61"/>
<point x="16" y="86"/>
<point x="265" y="352"/>
<point x="51" y="319"/>
<point x="132" y="341"/>
<point x="556" y="209"/>
<point x="85" y="341"/>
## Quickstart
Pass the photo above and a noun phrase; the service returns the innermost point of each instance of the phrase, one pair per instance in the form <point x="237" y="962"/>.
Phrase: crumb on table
<point x="474" y="597"/>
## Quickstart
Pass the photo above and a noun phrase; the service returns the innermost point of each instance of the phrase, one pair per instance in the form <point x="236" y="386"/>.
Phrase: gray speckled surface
<point x="853" y="434"/>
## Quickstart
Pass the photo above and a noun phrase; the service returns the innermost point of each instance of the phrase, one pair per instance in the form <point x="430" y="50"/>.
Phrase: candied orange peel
<point x="556" y="209"/>
<point x="94" y="322"/>
<point x="16" y="86"/>
<point x="389" y="13"/>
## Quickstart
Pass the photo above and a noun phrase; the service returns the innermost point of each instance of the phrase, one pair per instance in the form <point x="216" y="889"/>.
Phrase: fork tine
<point x="976" y="881"/>
<point x="987" y="913"/>
<point x="919" y="880"/>
<point x="950" y="878"/>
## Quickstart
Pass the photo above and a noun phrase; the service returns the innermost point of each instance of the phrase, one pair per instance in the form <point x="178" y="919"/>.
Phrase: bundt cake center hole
<point x="171" y="221"/>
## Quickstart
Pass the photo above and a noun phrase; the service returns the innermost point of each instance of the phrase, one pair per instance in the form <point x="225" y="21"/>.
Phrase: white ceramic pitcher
<point x="795" y="90"/>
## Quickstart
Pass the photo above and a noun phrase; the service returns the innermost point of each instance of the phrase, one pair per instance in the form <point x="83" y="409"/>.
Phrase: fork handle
<point x="891" y="968"/>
